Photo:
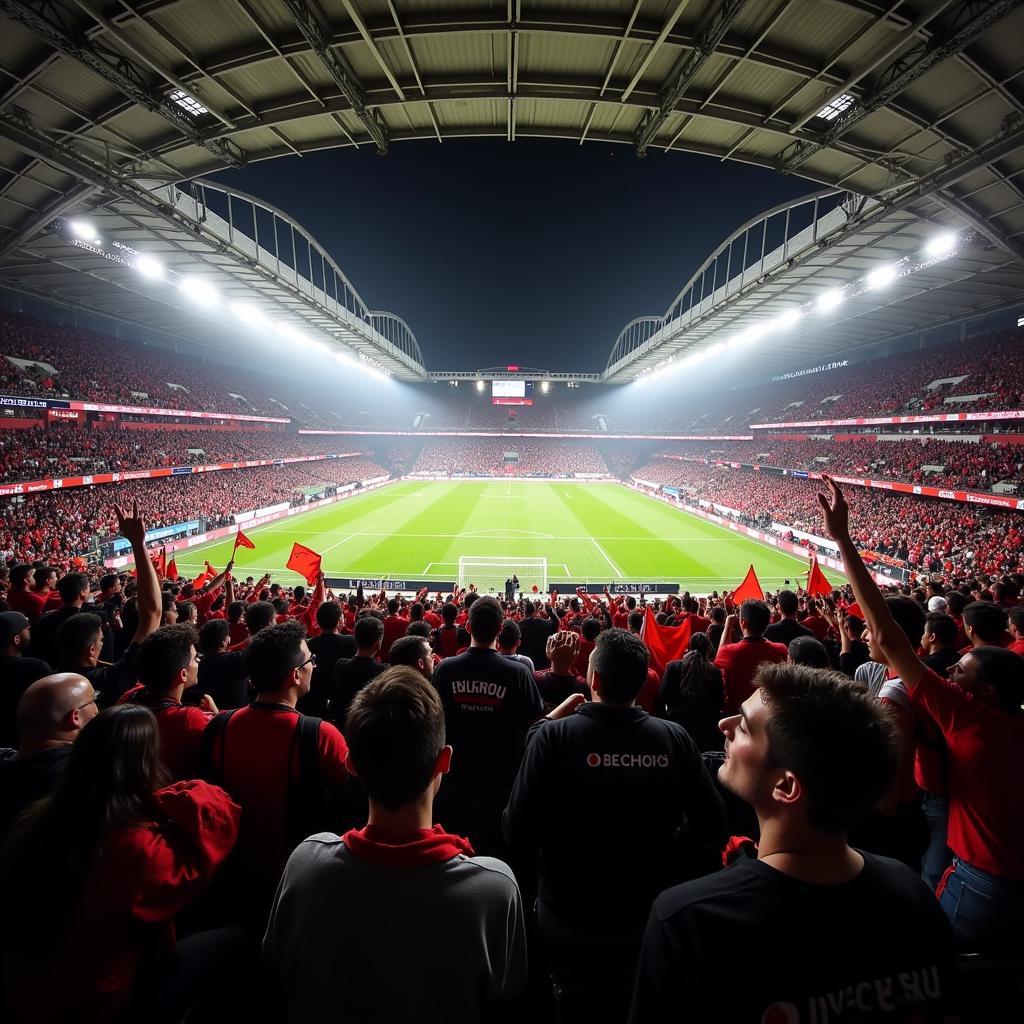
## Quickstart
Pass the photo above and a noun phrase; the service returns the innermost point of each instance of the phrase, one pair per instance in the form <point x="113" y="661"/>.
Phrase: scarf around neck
<point x="431" y="846"/>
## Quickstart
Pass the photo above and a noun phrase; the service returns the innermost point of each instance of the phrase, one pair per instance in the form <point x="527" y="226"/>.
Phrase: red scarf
<point x="432" y="846"/>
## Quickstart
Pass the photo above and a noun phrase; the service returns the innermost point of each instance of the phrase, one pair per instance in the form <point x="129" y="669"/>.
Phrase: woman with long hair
<point x="95" y="874"/>
<point x="692" y="694"/>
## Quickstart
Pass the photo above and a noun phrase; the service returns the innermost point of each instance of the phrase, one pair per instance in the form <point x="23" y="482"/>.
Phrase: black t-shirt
<point x="112" y="681"/>
<point x="25" y="780"/>
<point x="489" y="703"/>
<point x="222" y="675"/>
<point x="856" y="656"/>
<point x="786" y="631"/>
<point x="612" y="782"/>
<point x="534" y="632"/>
<point x="942" y="661"/>
<point x="752" y="944"/>
<point x="555" y="688"/>
<point x="350" y="676"/>
<point x="329" y="649"/>
<point x="17" y="674"/>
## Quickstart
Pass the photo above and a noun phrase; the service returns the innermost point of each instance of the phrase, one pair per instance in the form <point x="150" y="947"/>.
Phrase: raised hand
<point x="131" y="527"/>
<point x="835" y="511"/>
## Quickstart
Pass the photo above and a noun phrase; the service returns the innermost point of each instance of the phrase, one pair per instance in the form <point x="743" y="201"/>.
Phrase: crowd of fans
<point x="924" y="534"/>
<point x="515" y="457"/>
<point x="963" y="465"/>
<point x="228" y="796"/>
<point x="59" y="526"/>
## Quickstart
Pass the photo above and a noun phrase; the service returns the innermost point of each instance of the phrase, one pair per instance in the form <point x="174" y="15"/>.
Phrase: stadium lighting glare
<point x="84" y="230"/>
<point x="149" y="267"/>
<point x="941" y="245"/>
<point x="294" y="335"/>
<point x="544" y="385"/>
<point x="342" y="358"/>
<point x="827" y="301"/>
<point x="787" y="319"/>
<point x="321" y="347"/>
<point x="479" y="385"/>
<point x="199" y="291"/>
<point x="248" y="314"/>
<point x="881" y="277"/>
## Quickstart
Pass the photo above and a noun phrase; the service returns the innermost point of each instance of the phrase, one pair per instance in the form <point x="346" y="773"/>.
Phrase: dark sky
<point x="534" y="252"/>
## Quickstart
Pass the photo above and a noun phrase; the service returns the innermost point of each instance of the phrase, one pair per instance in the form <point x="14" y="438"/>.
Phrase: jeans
<point x="938" y="856"/>
<point x="985" y="910"/>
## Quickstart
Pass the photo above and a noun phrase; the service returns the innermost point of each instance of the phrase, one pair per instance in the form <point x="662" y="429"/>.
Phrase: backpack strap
<point x="216" y="727"/>
<point x="306" y="792"/>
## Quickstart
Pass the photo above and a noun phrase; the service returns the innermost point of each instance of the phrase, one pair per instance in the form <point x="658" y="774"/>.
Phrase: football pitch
<point x="418" y="529"/>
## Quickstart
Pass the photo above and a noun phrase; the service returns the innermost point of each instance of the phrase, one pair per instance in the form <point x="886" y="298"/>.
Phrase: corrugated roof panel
<point x="568" y="57"/>
<point x="756" y="86"/>
<point x="974" y="123"/>
<point x="202" y="26"/>
<point x="816" y="29"/>
<point x="262" y="83"/>
<point x="443" y="55"/>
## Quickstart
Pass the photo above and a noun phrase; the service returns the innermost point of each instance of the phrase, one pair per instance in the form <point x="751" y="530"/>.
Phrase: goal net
<point x="490" y="574"/>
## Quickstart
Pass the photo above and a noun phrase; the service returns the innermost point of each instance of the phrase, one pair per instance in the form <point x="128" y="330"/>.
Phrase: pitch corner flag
<point x="817" y="585"/>
<point x="305" y="562"/>
<point x="749" y="589"/>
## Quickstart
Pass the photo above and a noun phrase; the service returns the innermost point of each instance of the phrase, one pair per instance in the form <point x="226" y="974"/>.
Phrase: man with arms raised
<point x="810" y="930"/>
<point x="415" y="896"/>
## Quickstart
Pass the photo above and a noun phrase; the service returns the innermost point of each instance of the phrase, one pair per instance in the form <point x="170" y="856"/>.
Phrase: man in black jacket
<point x="352" y="674"/>
<point x="788" y="629"/>
<point x="330" y="645"/>
<point x="602" y="794"/>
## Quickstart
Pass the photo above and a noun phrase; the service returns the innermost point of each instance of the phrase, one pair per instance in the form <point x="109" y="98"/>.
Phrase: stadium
<point x="645" y="589"/>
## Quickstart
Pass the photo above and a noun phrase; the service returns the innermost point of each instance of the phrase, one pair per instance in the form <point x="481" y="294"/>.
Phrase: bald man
<point x="51" y="714"/>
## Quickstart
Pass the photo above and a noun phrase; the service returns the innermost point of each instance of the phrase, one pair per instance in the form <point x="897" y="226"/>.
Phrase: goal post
<point x="489" y="574"/>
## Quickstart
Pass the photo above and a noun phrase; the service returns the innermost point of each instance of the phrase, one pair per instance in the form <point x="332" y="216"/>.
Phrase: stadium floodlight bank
<point x="489" y="574"/>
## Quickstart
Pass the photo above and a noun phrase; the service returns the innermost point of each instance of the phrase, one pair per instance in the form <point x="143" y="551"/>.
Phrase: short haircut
<point x="449" y="613"/>
<point x="419" y="627"/>
<point x="259" y="615"/>
<point x="368" y="630"/>
<point x="212" y="634"/>
<point x="415" y="611"/>
<point x="942" y="627"/>
<point x="756" y="615"/>
<point x="236" y="610"/>
<point x="393" y="606"/>
<point x="70" y="587"/>
<point x="1001" y="669"/>
<point x="788" y="602"/>
<point x="163" y="654"/>
<point x="328" y="615"/>
<point x="821" y="724"/>
<point x="956" y="602"/>
<point x="74" y="635"/>
<point x="510" y="634"/>
<point x="395" y="731"/>
<point x="635" y="620"/>
<point x="987" y="620"/>
<point x="272" y="653"/>
<point x="718" y="615"/>
<point x="407" y="650"/>
<point x="808" y="650"/>
<point x="621" y="659"/>
<point x="109" y="581"/>
<point x="20" y="573"/>
<point x="590" y="628"/>
<point x="909" y="616"/>
<point x="485" y="618"/>
<point x="1016" y="616"/>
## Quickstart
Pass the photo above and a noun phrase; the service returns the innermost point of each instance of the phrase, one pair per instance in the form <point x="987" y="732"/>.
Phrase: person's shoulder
<point x="732" y="885"/>
<point x="899" y="880"/>
<point x="490" y="873"/>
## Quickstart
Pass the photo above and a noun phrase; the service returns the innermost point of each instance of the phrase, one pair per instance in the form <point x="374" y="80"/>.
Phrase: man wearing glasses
<point x="283" y="767"/>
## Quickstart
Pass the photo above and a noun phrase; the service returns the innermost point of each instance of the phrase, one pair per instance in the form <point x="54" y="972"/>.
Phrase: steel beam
<point x="973" y="19"/>
<point x="314" y="34"/>
<point x="685" y="70"/>
<point x="43" y="19"/>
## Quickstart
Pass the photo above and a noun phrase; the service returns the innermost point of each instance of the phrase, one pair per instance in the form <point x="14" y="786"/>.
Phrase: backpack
<point x="307" y="798"/>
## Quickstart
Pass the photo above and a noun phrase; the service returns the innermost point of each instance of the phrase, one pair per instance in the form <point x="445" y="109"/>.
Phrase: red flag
<point x="666" y="643"/>
<point x="160" y="563"/>
<point x="241" y="541"/>
<point x="817" y="585"/>
<point x="749" y="589"/>
<point x="305" y="562"/>
<point x="172" y="569"/>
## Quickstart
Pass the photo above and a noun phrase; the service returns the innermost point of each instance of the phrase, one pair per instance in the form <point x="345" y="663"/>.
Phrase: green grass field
<point x="417" y="530"/>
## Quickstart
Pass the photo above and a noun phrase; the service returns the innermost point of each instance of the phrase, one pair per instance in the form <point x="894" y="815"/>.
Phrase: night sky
<point x="535" y="252"/>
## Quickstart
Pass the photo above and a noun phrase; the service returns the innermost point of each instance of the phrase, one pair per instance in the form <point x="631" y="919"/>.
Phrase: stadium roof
<point x="918" y="104"/>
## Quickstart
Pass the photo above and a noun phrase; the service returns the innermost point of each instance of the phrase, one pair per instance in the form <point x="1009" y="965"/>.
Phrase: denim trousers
<point x="985" y="910"/>
<point x="938" y="856"/>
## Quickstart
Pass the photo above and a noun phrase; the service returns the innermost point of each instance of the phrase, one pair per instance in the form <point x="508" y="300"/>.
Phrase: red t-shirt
<point x="739" y="664"/>
<point x="181" y="729"/>
<point x="817" y="624"/>
<point x="29" y="604"/>
<point x="1017" y="646"/>
<point x="648" y="696"/>
<point x="251" y="759"/>
<point x="394" y="629"/>
<point x="447" y="641"/>
<point x="238" y="633"/>
<point x="986" y="799"/>
<point x="583" y="658"/>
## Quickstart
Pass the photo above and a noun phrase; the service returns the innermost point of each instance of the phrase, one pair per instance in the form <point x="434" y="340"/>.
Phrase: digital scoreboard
<point x="512" y="392"/>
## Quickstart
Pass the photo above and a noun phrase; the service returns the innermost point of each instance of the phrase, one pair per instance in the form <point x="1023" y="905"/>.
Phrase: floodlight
<point x="787" y="319"/>
<point x="199" y="290"/>
<point x="149" y="267"/>
<point x="479" y="385"/>
<point x="881" y="277"/>
<point x="248" y="314"/>
<point x="941" y="245"/>
<point x="828" y="301"/>
<point x="544" y="385"/>
<point x="84" y="230"/>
